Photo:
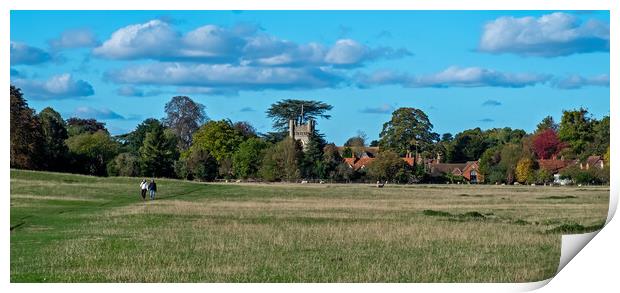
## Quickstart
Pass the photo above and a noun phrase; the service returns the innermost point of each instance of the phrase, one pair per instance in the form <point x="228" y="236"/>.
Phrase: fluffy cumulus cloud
<point x="240" y="44"/>
<point x="551" y="35"/>
<point x="383" y="109"/>
<point x="56" y="87"/>
<point x="27" y="55"/>
<point x="75" y="38"/>
<point x="453" y="77"/>
<point x="577" y="81"/>
<point x="99" y="114"/>
<point x="225" y="76"/>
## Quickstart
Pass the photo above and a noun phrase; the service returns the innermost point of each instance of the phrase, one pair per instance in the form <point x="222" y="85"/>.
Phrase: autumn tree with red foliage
<point x="546" y="144"/>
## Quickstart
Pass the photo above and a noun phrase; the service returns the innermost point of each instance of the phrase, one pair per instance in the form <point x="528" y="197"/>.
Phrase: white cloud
<point x="577" y="81"/>
<point x="24" y="54"/>
<point x="551" y="35"/>
<point x="240" y="44"/>
<point x="154" y="39"/>
<point x="225" y="76"/>
<point x="56" y="87"/>
<point x="453" y="76"/>
<point x="86" y="112"/>
<point x="76" y="38"/>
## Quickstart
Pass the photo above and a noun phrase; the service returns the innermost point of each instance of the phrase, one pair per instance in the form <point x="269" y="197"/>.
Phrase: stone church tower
<point x="301" y="131"/>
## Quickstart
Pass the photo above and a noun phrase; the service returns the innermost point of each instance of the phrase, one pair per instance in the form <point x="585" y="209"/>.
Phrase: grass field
<point x="72" y="228"/>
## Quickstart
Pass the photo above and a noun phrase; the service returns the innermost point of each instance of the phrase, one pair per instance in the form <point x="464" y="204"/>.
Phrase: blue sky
<point x="465" y="69"/>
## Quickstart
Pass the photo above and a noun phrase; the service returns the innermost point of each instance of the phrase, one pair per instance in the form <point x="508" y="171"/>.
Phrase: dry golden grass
<point x="289" y="233"/>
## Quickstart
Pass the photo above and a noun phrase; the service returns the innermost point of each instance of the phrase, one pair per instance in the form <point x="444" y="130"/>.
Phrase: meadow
<point x="75" y="228"/>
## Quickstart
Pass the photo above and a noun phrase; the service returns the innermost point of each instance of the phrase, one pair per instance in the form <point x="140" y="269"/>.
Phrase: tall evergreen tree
<point x="158" y="153"/>
<point x="298" y="110"/>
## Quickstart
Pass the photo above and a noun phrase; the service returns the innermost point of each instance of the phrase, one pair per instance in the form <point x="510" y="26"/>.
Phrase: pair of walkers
<point x="150" y="186"/>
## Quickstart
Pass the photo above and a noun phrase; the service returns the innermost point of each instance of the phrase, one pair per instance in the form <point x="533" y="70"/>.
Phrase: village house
<point x="469" y="171"/>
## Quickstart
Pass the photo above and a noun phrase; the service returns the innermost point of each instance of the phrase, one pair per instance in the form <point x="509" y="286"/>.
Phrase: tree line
<point x="186" y="144"/>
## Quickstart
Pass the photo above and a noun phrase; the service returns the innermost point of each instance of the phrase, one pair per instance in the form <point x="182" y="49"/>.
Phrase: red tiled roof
<point x="552" y="165"/>
<point x="592" y="160"/>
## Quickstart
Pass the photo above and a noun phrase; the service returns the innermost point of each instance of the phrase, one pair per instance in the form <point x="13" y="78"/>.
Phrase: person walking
<point x="143" y="187"/>
<point x="152" y="189"/>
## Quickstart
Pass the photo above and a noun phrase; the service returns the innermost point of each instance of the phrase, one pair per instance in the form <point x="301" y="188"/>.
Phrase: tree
<point x="576" y="130"/>
<point x="510" y="155"/>
<point x="91" y="152"/>
<point x="601" y="135"/>
<point x="245" y="128"/>
<point x="546" y="124"/>
<point x="135" y="139"/>
<point x="543" y="176"/>
<point x="546" y="144"/>
<point x="184" y="116"/>
<point x="312" y="165"/>
<point x="27" y="141"/>
<point x="77" y="126"/>
<point x="607" y="157"/>
<point x="219" y="138"/>
<point x="282" y="161"/>
<point x="248" y="158"/>
<point x="331" y="160"/>
<point x="54" y="131"/>
<point x="124" y="164"/>
<point x="408" y="130"/>
<point x="387" y="166"/>
<point x="467" y="146"/>
<point x="356" y="144"/>
<point x="202" y="165"/>
<point x="289" y="109"/>
<point x="525" y="171"/>
<point x="158" y="153"/>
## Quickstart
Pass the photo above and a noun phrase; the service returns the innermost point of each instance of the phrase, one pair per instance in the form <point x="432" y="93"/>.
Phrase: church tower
<point x="301" y="131"/>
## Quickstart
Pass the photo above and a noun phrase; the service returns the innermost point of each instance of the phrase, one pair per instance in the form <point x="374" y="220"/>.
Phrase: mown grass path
<point x="72" y="228"/>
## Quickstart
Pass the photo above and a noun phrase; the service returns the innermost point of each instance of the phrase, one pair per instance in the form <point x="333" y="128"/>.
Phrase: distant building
<point x="592" y="162"/>
<point x="301" y="131"/>
<point x="364" y="156"/>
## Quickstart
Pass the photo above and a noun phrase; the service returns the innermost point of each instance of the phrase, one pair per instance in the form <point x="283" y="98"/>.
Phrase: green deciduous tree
<point x="124" y="164"/>
<point x="91" y="152"/>
<point x="388" y="166"/>
<point x="547" y="123"/>
<point x="77" y="126"/>
<point x="576" y="130"/>
<point x="282" y="161"/>
<point x="202" y="165"/>
<point x="219" y="138"/>
<point x="248" y="157"/>
<point x="409" y="130"/>
<point x="510" y="155"/>
<point x="54" y="132"/>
